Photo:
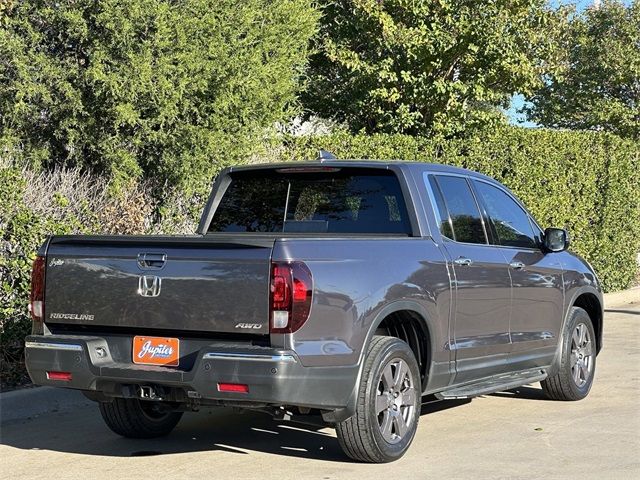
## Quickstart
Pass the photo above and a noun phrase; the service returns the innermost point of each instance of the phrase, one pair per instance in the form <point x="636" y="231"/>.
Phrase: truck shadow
<point x="626" y="312"/>
<point x="218" y="430"/>
<point x="523" y="393"/>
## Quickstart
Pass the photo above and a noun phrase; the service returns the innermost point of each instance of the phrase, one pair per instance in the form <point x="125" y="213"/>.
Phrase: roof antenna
<point x="323" y="156"/>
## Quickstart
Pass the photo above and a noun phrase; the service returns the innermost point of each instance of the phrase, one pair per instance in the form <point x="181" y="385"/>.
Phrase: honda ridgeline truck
<point x="341" y="290"/>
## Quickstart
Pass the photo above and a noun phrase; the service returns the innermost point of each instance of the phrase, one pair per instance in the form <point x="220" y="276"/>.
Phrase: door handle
<point x="463" y="261"/>
<point x="517" y="265"/>
<point x="151" y="260"/>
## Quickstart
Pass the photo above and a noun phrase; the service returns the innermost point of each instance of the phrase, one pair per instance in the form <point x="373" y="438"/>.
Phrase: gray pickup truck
<point x="340" y="290"/>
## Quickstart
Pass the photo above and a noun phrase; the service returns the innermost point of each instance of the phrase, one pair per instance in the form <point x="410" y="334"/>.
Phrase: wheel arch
<point x="590" y="302"/>
<point x="408" y="321"/>
<point x="389" y="316"/>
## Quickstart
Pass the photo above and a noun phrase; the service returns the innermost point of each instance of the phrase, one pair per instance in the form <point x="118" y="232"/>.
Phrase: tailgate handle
<point x="151" y="260"/>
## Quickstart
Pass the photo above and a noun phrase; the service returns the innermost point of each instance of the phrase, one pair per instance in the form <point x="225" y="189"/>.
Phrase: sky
<point x="517" y="101"/>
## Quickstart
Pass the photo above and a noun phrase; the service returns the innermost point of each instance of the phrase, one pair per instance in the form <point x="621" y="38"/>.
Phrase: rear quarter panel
<point x="357" y="281"/>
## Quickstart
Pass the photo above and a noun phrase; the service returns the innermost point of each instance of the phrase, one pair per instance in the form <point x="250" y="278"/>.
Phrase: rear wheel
<point x="134" y="418"/>
<point x="388" y="404"/>
<point x="578" y="362"/>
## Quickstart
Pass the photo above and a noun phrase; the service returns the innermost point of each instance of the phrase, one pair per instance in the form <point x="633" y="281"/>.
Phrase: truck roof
<point x="408" y="165"/>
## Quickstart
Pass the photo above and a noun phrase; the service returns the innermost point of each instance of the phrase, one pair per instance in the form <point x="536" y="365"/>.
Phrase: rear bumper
<point x="274" y="376"/>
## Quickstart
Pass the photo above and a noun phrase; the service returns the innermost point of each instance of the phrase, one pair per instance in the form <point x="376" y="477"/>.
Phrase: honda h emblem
<point x="149" y="285"/>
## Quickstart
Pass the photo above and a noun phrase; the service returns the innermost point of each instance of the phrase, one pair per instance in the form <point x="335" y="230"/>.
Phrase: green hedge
<point x="587" y="182"/>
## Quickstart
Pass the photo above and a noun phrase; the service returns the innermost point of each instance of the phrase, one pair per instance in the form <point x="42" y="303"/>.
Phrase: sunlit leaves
<point x="426" y="66"/>
<point x="599" y="86"/>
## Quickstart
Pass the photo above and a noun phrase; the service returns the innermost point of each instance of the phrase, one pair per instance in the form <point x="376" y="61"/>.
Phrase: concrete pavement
<point x="32" y="402"/>
<point x="622" y="297"/>
<point x="510" y="435"/>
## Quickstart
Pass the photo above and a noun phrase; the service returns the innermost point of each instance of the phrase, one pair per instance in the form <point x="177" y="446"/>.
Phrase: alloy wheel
<point x="581" y="355"/>
<point x="396" y="401"/>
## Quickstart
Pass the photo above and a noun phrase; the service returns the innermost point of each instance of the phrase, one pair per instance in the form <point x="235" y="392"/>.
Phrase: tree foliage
<point x="171" y="88"/>
<point x="425" y="66"/>
<point x="599" y="86"/>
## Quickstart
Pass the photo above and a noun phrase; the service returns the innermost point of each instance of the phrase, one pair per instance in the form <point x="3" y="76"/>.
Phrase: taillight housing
<point x="36" y="300"/>
<point x="290" y="296"/>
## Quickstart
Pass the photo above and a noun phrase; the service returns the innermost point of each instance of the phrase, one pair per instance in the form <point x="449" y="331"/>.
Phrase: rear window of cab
<point x="326" y="200"/>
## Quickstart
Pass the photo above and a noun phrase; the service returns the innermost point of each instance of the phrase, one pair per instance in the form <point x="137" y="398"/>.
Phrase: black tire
<point x="361" y="436"/>
<point x="564" y="385"/>
<point x="133" y="418"/>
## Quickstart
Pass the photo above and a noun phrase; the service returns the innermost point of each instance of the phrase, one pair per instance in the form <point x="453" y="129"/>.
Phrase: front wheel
<point x="388" y="404"/>
<point x="578" y="361"/>
<point x="135" y="418"/>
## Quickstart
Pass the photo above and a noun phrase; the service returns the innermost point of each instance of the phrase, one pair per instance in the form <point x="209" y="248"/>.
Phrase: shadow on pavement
<point x="626" y="312"/>
<point x="523" y="393"/>
<point x="83" y="432"/>
<point x="431" y="405"/>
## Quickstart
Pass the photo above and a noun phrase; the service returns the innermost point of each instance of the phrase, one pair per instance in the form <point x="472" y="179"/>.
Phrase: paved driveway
<point x="515" y="434"/>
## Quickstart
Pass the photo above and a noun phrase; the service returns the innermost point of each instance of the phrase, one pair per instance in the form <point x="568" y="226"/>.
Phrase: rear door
<point x="483" y="286"/>
<point x="538" y="295"/>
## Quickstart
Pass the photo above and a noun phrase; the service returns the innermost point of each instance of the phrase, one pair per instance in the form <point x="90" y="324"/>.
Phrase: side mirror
<point x="556" y="239"/>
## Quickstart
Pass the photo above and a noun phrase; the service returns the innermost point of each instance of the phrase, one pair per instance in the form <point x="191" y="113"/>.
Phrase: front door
<point x="536" y="276"/>
<point x="536" y="307"/>
<point x="482" y="282"/>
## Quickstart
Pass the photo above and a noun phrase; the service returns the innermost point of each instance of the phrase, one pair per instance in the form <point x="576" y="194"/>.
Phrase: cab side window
<point x="509" y="221"/>
<point x="466" y="220"/>
<point x="444" y="222"/>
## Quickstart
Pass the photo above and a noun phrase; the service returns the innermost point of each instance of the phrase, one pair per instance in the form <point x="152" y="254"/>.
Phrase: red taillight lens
<point x="291" y="292"/>
<point x="36" y="305"/>
<point x="233" y="387"/>
<point x="280" y="287"/>
<point x="61" y="376"/>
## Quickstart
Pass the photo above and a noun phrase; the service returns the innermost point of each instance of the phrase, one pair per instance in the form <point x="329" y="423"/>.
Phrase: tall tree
<point x="427" y="66"/>
<point x="172" y="88"/>
<point x="599" y="86"/>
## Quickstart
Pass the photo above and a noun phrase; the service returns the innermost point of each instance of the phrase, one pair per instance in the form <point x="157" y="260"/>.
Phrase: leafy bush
<point x="64" y="201"/>
<point x="173" y="89"/>
<point x="587" y="182"/>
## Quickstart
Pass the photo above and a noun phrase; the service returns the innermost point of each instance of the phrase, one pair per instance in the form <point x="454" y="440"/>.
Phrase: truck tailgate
<point x="175" y="283"/>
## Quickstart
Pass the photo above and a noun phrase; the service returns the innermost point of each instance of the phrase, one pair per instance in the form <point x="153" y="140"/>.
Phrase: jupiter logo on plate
<point x="161" y="351"/>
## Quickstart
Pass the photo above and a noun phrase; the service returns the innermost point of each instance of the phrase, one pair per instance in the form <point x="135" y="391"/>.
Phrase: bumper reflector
<point x="233" y="387"/>
<point x="62" y="376"/>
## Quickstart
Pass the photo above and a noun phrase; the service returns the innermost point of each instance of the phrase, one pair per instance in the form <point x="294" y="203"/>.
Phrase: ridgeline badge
<point x="71" y="316"/>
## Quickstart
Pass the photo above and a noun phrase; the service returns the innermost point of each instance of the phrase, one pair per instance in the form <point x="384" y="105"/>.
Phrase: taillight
<point x="61" y="376"/>
<point x="36" y="305"/>
<point x="233" y="387"/>
<point x="291" y="291"/>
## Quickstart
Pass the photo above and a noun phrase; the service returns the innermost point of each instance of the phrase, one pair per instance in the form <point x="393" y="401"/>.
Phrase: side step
<point x="493" y="384"/>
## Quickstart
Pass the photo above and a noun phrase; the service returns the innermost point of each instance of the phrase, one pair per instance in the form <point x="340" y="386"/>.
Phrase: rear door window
<point x="510" y="222"/>
<point x="444" y="222"/>
<point x="334" y="200"/>
<point x="461" y="205"/>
